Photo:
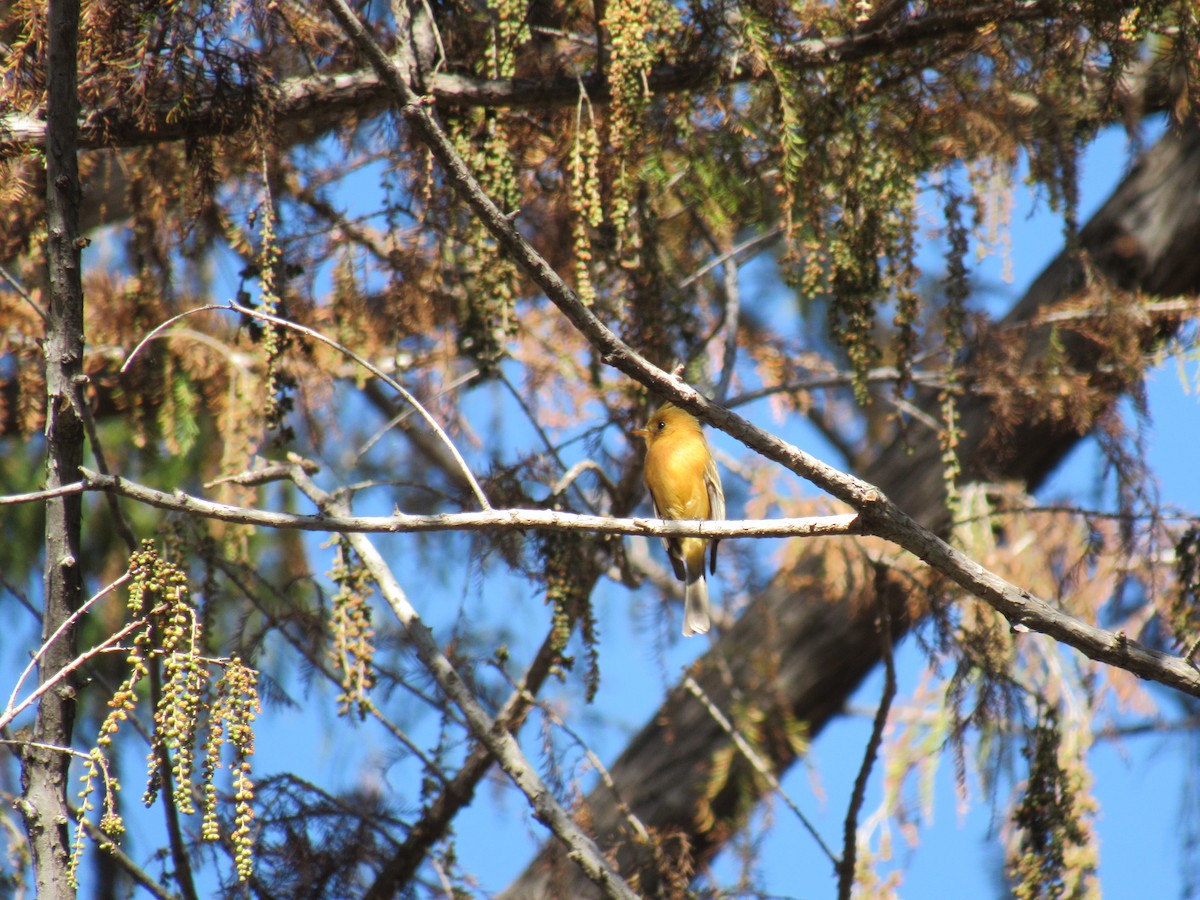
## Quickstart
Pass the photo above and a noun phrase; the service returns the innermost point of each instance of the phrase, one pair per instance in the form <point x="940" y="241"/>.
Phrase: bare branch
<point x="606" y="779"/>
<point x="14" y="709"/>
<point x="572" y="474"/>
<point x="458" y="792"/>
<point x="75" y="487"/>
<point x="883" y="517"/>
<point x="499" y="742"/>
<point x="835" y="379"/>
<point x="759" y="241"/>
<point x="139" y="875"/>
<point x="20" y="289"/>
<point x="93" y="435"/>
<point x="483" y="520"/>
<point x="761" y="766"/>
<point x="395" y="420"/>
<point x="264" y="473"/>
<point x="859" y="794"/>
<point x="322" y="100"/>
<point x="346" y="351"/>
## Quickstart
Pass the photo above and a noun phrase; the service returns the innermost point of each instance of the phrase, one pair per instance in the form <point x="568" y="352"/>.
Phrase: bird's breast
<point x="675" y="475"/>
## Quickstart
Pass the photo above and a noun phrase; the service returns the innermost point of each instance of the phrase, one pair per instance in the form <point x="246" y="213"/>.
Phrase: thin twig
<point x="76" y="487"/>
<point x="346" y="351"/>
<point x="21" y="596"/>
<point x="157" y="331"/>
<point x="13" y="709"/>
<point x="733" y="312"/>
<point x="139" y="875"/>
<point x="915" y="411"/>
<point x="458" y="792"/>
<point x="766" y="238"/>
<point x="395" y="420"/>
<point x="264" y="473"/>
<point x="606" y="778"/>
<point x="89" y="424"/>
<point x="835" y="379"/>
<point x="582" y="849"/>
<point x="20" y="289"/>
<point x="545" y="438"/>
<point x="573" y="473"/>
<point x="53" y="748"/>
<point x="760" y="765"/>
<point x="408" y="397"/>
<point x="105" y="646"/>
<point x="850" y="830"/>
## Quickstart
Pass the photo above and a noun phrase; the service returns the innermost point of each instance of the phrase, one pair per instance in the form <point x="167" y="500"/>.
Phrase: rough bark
<point x="799" y="653"/>
<point x="44" y="768"/>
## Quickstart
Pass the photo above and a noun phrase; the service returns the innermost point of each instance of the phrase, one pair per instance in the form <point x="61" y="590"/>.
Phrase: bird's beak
<point x="639" y="432"/>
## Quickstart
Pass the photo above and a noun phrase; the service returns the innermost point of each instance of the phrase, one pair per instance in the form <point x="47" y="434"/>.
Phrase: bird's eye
<point x="661" y="423"/>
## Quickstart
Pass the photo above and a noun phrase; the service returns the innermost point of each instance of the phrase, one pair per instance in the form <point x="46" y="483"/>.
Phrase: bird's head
<point x="668" y="419"/>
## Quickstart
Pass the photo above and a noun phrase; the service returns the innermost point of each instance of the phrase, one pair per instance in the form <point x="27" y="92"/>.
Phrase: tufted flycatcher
<point x="684" y="483"/>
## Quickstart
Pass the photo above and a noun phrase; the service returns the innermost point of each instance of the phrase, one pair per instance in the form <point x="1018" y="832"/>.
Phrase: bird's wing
<point x="672" y="545"/>
<point x="716" y="495"/>
<point x="716" y="502"/>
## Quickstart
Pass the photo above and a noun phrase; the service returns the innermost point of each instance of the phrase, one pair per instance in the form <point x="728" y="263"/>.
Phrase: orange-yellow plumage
<point x="684" y="484"/>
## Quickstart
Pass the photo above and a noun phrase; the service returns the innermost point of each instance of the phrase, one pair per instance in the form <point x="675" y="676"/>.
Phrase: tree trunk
<point x="799" y="653"/>
<point x="44" y="768"/>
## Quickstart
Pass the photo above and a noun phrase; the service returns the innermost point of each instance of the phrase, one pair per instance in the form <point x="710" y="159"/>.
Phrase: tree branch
<point x="1020" y="607"/>
<point x="346" y="351"/>
<point x="881" y="516"/>
<point x="15" y="708"/>
<point x="502" y="745"/>
<point x="321" y="101"/>
<point x="482" y="520"/>
<point x="458" y="793"/>
<point x="803" y="646"/>
<point x="858" y="796"/>
<point x="761" y="766"/>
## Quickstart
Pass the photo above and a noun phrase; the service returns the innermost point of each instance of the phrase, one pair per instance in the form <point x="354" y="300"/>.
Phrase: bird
<point x="684" y="484"/>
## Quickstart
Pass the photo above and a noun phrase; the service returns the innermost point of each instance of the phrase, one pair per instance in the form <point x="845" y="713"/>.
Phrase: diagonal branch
<point x="15" y="708"/>
<point x="500" y="744"/>
<point x="881" y="516"/>
<point x="761" y="766"/>
<point x="581" y="570"/>
<point x="460" y="790"/>
<point x="810" y="637"/>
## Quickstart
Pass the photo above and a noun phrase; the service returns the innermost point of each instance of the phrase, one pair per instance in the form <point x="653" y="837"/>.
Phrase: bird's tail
<point x="695" y="605"/>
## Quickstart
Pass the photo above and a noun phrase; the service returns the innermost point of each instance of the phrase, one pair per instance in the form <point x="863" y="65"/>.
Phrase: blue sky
<point x="1138" y="782"/>
<point x="1140" y="842"/>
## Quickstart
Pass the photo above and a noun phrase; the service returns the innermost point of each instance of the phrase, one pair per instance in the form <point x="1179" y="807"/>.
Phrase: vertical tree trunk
<point x="44" y="769"/>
